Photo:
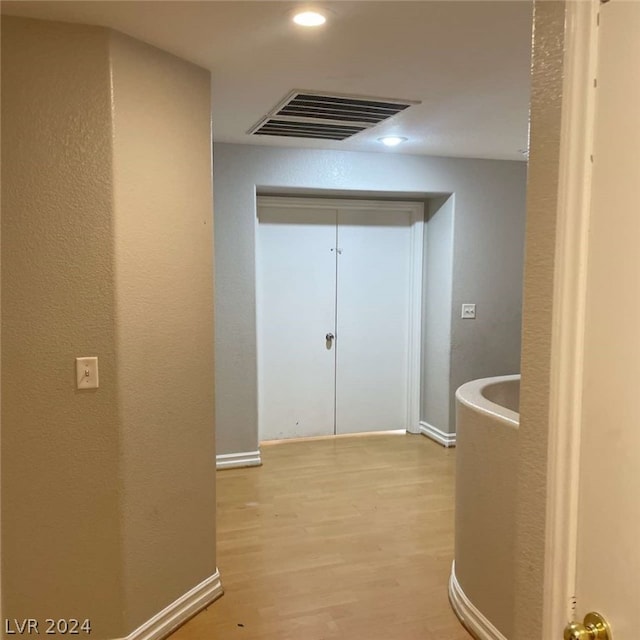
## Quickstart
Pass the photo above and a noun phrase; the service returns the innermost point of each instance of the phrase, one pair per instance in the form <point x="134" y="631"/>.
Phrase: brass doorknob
<point x="595" y="627"/>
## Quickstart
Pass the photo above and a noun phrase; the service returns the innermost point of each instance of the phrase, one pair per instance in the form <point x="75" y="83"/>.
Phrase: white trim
<point x="415" y="285"/>
<point x="178" y="612"/>
<point x="473" y="620"/>
<point x="257" y="313"/>
<point x="242" y="459"/>
<point x="567" y="347"/>
<point x="414" y="353"/>
<point x="441" y="437"/>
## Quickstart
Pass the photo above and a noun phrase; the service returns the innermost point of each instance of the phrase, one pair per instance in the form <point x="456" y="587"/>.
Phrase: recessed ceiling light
<point x="392" y="141"/>
<point x="309" y="18"/>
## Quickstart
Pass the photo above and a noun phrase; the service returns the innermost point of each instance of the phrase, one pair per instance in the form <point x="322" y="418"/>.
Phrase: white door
<point x="608" y="553"/>
<point x="296" y="277"/>
<point x="374" y="275"/>
<point x="345" y="271"/>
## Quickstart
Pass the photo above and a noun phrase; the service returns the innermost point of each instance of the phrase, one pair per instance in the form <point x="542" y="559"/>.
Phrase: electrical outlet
<point x="468" y="311"/>
<point x="87" y="373"/>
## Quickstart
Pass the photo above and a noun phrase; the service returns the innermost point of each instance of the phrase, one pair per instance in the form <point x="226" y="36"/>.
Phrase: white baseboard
<point x="242" y="459"/>
<point x="471" y="618"/>
<point x="186" y="606"/>
<point x="441" y="437"/>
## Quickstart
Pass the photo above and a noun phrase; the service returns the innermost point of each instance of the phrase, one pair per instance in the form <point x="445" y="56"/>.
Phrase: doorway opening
<point x="339" y="285"/>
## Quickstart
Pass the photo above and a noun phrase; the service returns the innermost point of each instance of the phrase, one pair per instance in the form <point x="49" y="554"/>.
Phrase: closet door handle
<point x="329" y="338"/>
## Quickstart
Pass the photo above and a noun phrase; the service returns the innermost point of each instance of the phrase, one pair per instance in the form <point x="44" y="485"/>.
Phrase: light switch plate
<point x="468" y="311"/>
<point x="87" y="373"/>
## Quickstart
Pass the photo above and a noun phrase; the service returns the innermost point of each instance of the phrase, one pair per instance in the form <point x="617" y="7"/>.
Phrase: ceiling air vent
<point x="306" y="114"/>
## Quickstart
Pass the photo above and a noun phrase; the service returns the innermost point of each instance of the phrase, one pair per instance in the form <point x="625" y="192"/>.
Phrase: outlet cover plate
<point x="468" y="311"/>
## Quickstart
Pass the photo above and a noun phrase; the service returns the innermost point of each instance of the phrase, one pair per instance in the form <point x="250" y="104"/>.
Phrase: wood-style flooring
<point x="345" y="538"/>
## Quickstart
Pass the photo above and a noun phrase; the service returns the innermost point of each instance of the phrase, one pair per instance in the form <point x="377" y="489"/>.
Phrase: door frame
<point x="568" y="323"/>
<point x="414" y="343"/>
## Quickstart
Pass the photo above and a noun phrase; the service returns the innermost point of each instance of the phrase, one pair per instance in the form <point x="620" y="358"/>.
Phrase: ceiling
<point x="467" y="62"/>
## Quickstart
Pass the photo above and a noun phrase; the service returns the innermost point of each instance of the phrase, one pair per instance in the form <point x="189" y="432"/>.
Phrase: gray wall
<point x="436" y="315"/>
<point x="60" y="454"/>
<point x="163" y="260"/>
<point x="108" y="493"/>
<point x="487" y="256"/>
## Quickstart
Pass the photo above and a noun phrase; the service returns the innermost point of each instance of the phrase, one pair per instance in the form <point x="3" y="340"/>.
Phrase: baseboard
<point x="441" y="437"/>
<point x="471" y="618"/>
<point x="242" y="459"/>
<point x="177" y="613"/>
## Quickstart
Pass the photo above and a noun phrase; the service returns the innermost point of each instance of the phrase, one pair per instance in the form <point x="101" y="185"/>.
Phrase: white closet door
<point x="296" y="309"/>
<point x="373" y="301"/>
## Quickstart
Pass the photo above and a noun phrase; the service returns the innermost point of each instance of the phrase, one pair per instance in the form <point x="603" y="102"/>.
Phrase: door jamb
<point x="568" y="324"/>
<point x="415" y="285"/>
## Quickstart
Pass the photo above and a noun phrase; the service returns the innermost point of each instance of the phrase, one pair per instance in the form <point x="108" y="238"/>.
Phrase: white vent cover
<point x="307" y="114"/>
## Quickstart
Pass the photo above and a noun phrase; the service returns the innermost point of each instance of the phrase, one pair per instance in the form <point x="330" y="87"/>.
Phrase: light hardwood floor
<point x="343" y="538"/>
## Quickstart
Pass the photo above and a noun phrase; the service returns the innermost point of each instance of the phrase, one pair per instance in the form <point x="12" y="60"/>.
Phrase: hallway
<point x="348" y="538"/>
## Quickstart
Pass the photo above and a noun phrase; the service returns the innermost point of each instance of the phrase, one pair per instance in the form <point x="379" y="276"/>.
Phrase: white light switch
<point x="87" y="373"/>
<point x="469" y="311"/>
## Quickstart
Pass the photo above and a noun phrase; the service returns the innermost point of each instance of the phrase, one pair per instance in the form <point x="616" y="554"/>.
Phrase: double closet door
<point x="336" y="299"/>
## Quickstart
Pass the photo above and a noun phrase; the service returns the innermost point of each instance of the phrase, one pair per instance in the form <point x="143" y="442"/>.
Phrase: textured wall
<point x="162" y="236"/>
<point x="542" y="191"/>
<point x="437" y="316"/>
<point x="108" y="494"/>
<point x="488" y="259"/>
<point x="60" y="447"/>
<point x="489" y="236"/>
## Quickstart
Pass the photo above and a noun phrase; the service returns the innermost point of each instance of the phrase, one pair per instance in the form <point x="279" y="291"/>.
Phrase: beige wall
<point x="542" y="204"/>
<point x="486" y="466"/>
<point x="108" y="500"/>
<point x="162" y="236"/>
<point x="61" y="534"/>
